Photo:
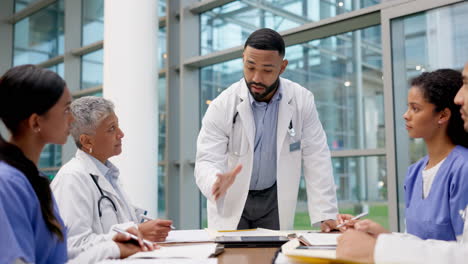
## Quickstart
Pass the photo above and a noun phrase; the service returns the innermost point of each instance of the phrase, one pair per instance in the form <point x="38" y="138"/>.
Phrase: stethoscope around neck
<point x="103" y="196"/>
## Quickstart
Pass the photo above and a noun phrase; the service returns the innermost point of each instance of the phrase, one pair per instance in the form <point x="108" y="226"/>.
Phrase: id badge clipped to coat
<point x="294" y="146"/>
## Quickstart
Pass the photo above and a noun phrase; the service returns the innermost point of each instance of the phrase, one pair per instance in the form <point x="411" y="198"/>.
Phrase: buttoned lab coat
<point x="77" y="198"/>
<point x="227" y="139"/>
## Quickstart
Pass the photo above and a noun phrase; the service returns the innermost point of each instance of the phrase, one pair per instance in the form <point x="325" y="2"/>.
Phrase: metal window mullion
<point x="29" y="10"/>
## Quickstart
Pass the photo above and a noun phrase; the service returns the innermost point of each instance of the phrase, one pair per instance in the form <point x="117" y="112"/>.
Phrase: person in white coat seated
<point x="256" y="136"/>
<point x="89" y="195"/>
<point x="369" y="242"/>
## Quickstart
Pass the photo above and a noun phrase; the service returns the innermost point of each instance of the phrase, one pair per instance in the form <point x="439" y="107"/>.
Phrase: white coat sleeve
<point x="75" y="203"/>
<point x="403" y="248"/>
<point x="318" y="174"/>
<point x="212" y="145"/>
<point x="99" y="252"/>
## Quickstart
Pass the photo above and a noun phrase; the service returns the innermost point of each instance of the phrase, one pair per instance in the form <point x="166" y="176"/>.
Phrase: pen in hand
<point x="150" y="219"/>
<point x="354" y="218"/>
<point x="132" y="236"/>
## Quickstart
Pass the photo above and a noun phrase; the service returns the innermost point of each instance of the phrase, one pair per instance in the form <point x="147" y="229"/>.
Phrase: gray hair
<point x="88" y="112"/>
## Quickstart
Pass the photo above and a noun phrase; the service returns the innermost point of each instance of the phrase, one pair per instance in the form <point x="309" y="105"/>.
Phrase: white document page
<point x="183" y="236"/>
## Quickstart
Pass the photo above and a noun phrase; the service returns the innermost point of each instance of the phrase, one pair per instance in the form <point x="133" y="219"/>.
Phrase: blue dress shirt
<point x="266" y="122"/>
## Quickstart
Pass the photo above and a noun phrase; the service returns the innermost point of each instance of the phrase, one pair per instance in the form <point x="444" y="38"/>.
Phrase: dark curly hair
<point x="440" y="88"/>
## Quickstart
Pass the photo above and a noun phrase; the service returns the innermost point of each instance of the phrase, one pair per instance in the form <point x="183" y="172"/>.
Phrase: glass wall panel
<point x="58" y="68"/>
<point x="161" y="191"/>
<point x="21" y="4"/>
<point x="216" y="78"/>
<point x="50" y="173"/>
<point x="344" y="73"/>
<point x="162" y="119"/>
<point x="230" y="25"/>
<point x="39" y="37"/>
<point x="161" y="8"/>
<point x="93" y="21"/>
<point x="361" y="187"/>
<point x="162" y="49"/>
<point x="91" y="69"/>
<point x="422" y="42"/>
<point x="51" y="156"/>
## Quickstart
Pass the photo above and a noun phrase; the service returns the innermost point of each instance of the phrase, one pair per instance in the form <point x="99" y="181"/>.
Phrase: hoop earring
<point x="37" y="130"/>
<point x="90" y="150"/>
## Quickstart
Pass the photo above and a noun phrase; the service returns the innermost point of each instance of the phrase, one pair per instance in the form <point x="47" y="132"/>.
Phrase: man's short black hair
<point x="266" y="39"/>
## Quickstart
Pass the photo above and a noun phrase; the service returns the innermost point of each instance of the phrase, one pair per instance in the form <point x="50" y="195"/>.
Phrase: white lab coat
<point x="77" y="199"/>
<point x="406" y="248"/>
<point x="223" y="143"/>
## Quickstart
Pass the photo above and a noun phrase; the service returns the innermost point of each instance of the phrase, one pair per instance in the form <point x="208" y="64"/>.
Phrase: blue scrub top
<point x="437" y="216"/>
<point x="23" y="232"/>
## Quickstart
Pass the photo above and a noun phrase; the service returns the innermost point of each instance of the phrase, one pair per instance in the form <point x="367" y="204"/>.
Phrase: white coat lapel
<point x="245" y="113"/>
<point x="91" y="168"/>
<point x="285" y="113"/>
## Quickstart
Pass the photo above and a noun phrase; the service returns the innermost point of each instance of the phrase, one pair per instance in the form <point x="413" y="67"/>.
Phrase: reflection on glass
<point x="361" y="187"/>
<point x="162" y="119"/>
<point x="344" y="73"/>
<point x="93" y="21"/>
<point x="161" y="192"/>
<point x="162" y="49"/>
<point x="21" y="4"/>
<point x="230" y="25"/>
<point x="422" y="42"/>
<point x="51" y="156"/>
<point x="58" y="68"/>
<point x="91" y="69"/>
<point x="39" y="37"/>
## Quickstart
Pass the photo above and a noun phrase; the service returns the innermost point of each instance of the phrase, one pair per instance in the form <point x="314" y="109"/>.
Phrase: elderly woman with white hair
<point x="87" y="189"/>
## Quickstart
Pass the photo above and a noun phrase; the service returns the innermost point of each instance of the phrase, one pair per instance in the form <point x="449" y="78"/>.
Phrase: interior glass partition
<point x="39" y="37"/>
<point x="230" y="25"/>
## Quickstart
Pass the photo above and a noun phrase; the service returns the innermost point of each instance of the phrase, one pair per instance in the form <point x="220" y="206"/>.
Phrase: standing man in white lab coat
<point x="255" y="138"/>
<point x="371" y="243"/>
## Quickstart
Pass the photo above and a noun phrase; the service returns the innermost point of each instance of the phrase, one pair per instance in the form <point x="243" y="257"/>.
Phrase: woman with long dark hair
<point x="35" y="108"/>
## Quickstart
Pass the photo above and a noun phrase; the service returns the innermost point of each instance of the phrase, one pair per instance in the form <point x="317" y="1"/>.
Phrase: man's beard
<point x="268" y="89"/>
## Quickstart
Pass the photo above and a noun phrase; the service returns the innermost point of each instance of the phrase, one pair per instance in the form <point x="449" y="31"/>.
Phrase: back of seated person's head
<point x="26" y="90"/>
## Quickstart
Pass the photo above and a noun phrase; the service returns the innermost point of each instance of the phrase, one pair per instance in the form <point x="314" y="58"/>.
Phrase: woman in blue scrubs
<point x="436" y="187"/>
<point x="35" y="107"/>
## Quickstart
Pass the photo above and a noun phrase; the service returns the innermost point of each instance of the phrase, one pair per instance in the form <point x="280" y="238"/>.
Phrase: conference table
<point x="247" y="255"/>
